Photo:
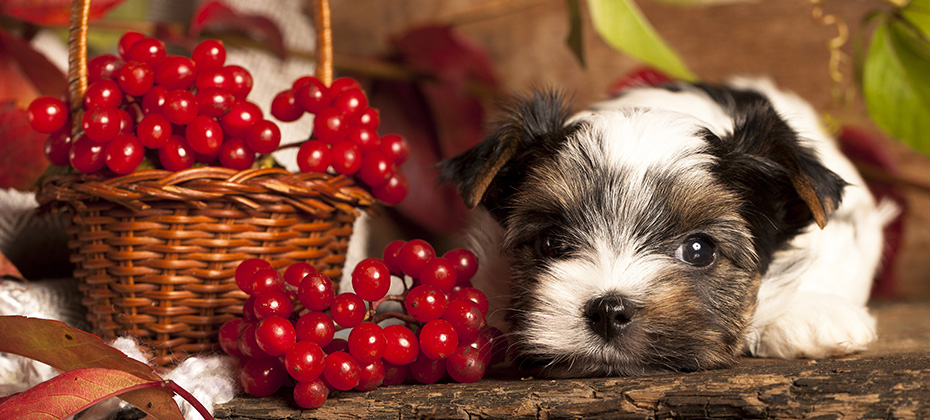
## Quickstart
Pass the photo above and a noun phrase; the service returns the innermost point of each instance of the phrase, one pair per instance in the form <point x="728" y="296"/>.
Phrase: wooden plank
<point x="892" y="380"/>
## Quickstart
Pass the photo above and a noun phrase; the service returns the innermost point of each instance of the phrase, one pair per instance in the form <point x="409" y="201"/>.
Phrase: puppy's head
<point x="636" y="237"/>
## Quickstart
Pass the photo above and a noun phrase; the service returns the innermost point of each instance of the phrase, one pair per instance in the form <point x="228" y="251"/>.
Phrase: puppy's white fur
<point x="812" y="298"/>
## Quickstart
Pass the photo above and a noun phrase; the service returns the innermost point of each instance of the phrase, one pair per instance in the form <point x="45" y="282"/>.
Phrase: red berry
<point x="395" y="374"/>
<point x="425" y="303"/>
<point x="216" y="78"/>
<point x="103" y="92"/>
<point x="341" y="371"/>
<point x="438" y="339"/>
<point x="311" y="394"/>
<point x="47" y="114"/>
<point x="347" y="310"/>
<point x="124" y="154"/>
<point x="267" y="280"/>
<point x="248" y="345"/>
<point x="311" y="95"/>
<point x="376" y="170"/>
<point x="427" y="371"/>
<point x="296" y="272"/>
<point x="176" y="154"/>
<point x="329" y="125"/>
<point x="272" y="303"/>
<point x="228" y="336"/>
<point x="347" y="158"/>
<point x="474" y="295"/>
<point x="316" y="292"/>
<point x="366" y="139"/>
<point x="209" y="55"/>
<point x="126" y="122"/>
<point x="248" y="310"/>
<point x="337" y="344"/>
<point x="262" y="377"/>
<point x="465" y="262"/>
<point x="342" y="84"/>
<point x="395" y="147"/>
<point x="314" y="156"/>
<point x="351" y="103"/>
<point x="58" y="146"/>
<point x="414" y="255"/>
<point x="284" y="106"/>
<point x="371" y="279"/>
<point x="370" y="119"/>
<point x="391" y="257"/>
<point x="466" y="365"/>
<point x="135" y="78"/>
<point x="264" y="137"/>
<point x="275" y="335"/>
<point x="394" y="191"/>
<point x="498" y="344"/>
<point x="147" y="50"/>
<point x="236" y="154"/>
<point x="401" y="345"/>
<point x="154" y="131"/>
<point x="86" y="155"/>
<point x="466" y="317"/>
<point x="101" y="124"/>
<point x="366" y="342"/>
<point x="126" y="41"/>
<point x="316" y="327"/>
<point x="214" y="102"/>
<point x="440" y="273"/>
<point x="246" y="270"/>
<point x="154" y="100"/>
<point x="103" y="67"/>
<point x="371" y="376"/>
<point x="181" y="108"/>
<point x="304" y="361"/>
<point x="176" y="72"/>
<point x="204" y="135"/>
<point x="240" y="118"/>
<point x="240" y="81"/>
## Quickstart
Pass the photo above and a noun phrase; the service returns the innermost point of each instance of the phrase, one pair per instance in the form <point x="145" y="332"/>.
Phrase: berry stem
<point x="388" y="315"/>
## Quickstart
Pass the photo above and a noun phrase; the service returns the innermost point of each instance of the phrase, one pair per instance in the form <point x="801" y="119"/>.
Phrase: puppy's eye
<point x="697" y="250"/>
<point x="551" y="247"/>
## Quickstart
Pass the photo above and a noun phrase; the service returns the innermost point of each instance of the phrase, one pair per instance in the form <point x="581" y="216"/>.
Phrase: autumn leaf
<point x="52" y="12"/>
<point x="22" y="155"/>
<point x="214" y="16"/>
<point x="72" y="392"/>
<point x="26" y="72"/>
<point x="7" y="268"/>
<point x="66" y="349"/>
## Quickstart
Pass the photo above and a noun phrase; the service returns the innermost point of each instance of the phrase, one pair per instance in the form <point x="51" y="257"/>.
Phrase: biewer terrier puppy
<point x="671" y="228"/>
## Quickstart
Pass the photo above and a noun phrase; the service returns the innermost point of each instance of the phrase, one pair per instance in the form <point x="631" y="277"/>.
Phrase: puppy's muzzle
<point x="609" y="315"/>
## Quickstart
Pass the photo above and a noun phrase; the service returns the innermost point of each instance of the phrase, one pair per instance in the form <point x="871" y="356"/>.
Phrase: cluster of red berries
<point x="184" y="110"/>
<point x="345" y="138"/>
<point x="286" y="334"/>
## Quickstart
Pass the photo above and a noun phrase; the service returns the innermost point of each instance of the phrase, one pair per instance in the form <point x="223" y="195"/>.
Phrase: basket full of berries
<point x="166" y="176"/>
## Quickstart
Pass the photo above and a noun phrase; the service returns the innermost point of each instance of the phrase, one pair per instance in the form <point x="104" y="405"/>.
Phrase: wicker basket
<point x="156" y="251"/>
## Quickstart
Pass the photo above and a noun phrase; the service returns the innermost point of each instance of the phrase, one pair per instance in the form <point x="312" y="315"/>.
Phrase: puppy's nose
<point x="607" y="315"/>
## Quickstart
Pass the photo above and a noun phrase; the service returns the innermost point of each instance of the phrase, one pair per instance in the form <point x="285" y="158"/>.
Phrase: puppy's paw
<point x="815" y="326"/>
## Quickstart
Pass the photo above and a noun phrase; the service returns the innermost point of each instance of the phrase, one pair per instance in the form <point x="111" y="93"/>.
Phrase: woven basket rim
<point x="315" y="193"/>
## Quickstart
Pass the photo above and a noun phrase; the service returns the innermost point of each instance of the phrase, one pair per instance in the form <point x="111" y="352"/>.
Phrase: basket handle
<point x="324" y="42"/>
<point x="77" y="60"/>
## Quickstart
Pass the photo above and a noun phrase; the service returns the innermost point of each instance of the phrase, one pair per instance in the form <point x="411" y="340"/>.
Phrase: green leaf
<point x="66" y="349"/>
<point x="625" y="28"/>
<point x="896" y="83"/>
<point x="575" y="41"/>
<point x="917" y="13"/>
<point x="72" y="392"/>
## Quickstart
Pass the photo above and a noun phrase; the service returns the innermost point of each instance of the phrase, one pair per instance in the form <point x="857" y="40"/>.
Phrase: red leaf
<point x="72" y="392"/>
<point x="440" y="116"/>
<point x="66" y="349"/>
<point x="22" y="156"/>
<point x="213" y="16"/>
<point x="52" y="12"/>
<point x="25" y="73"/>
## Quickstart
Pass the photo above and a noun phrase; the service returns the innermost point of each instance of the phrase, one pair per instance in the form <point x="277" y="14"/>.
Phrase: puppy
<point x="671" y="228"/>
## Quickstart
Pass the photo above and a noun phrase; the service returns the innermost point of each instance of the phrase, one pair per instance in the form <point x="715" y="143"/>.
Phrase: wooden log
<point x="890" y="381"/>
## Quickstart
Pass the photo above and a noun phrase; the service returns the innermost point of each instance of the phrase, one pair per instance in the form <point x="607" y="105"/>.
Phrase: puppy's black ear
<point x="487" y="173"/>
<point x="785" y="181"/>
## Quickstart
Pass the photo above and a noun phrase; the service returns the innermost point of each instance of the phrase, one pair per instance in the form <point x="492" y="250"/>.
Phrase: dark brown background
<point x="778" y="38"/>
